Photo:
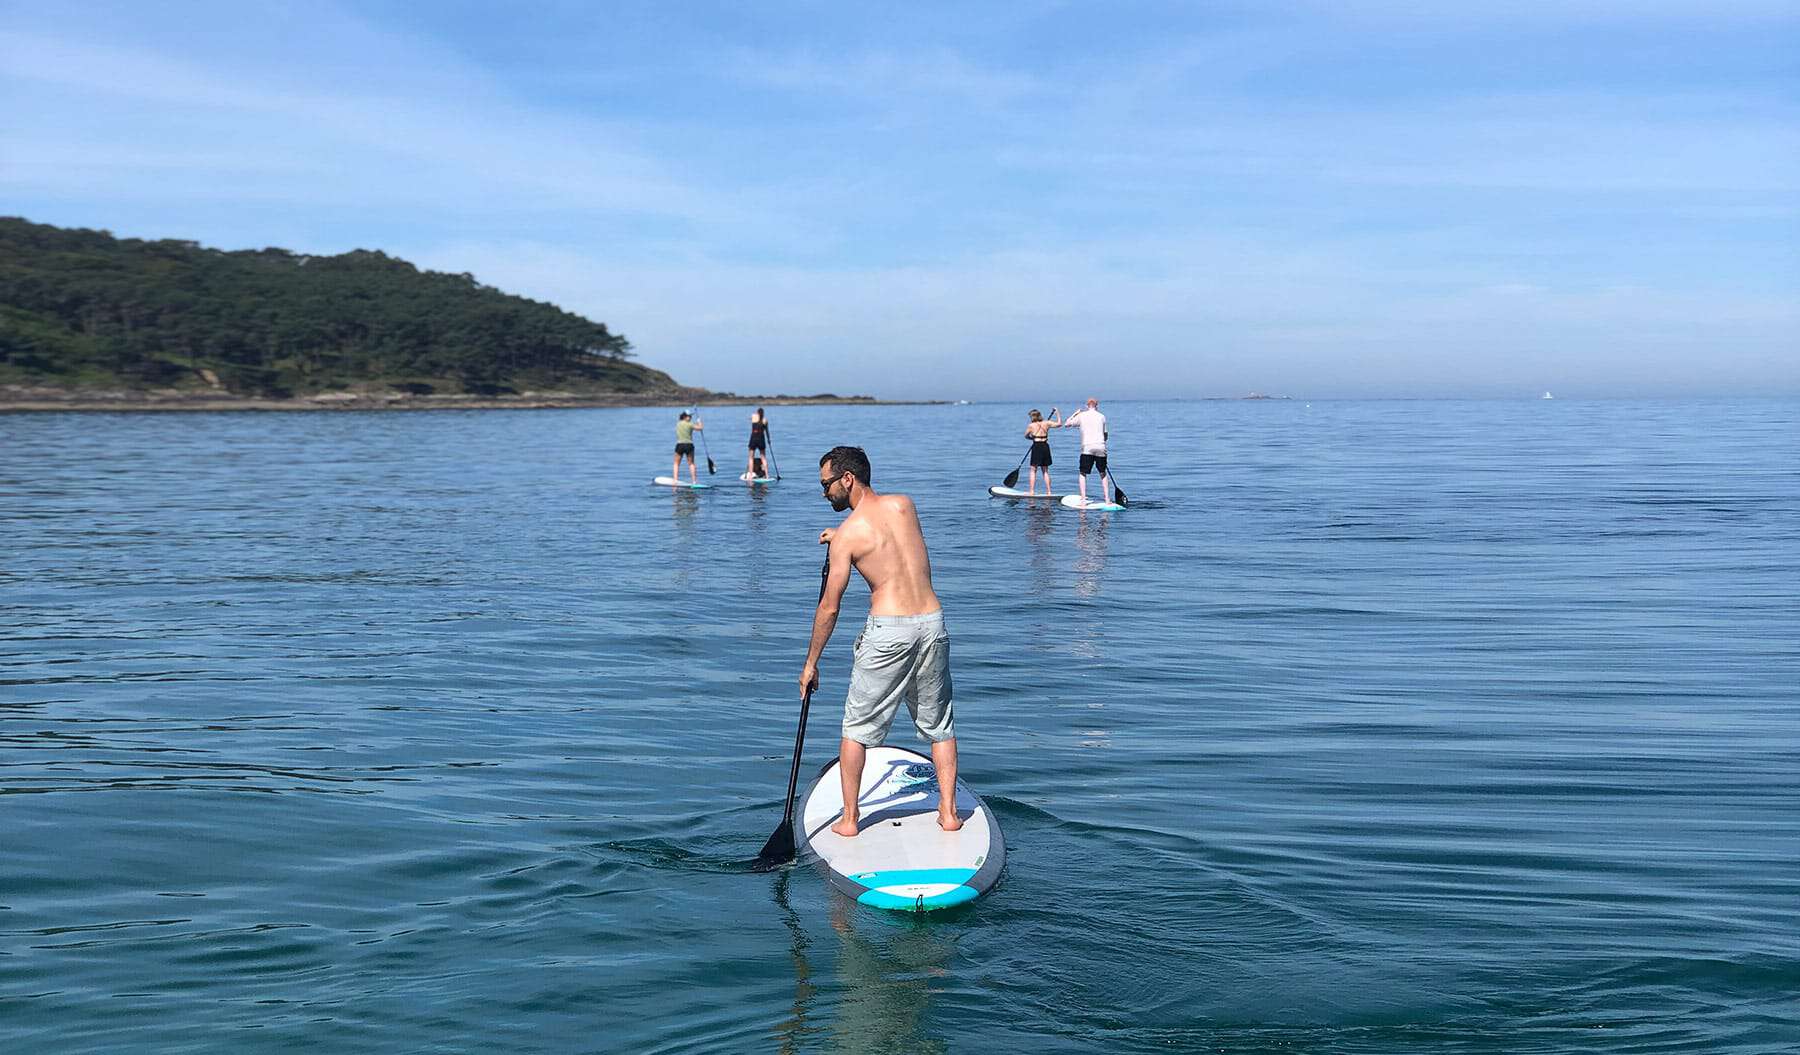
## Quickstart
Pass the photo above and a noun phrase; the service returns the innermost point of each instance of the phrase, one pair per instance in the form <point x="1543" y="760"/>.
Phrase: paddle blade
<point x="1119" y="494"/>
<point x="711" y="469"/>
<point x="1012" y="479"/>
<point x="779" y="850"/>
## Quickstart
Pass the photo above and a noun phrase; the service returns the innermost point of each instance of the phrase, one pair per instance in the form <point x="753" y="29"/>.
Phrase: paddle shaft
<point x="779" y="850"/>
<point x="710" y="467"/>
<point x="787" y="815"/>
<point x="769" y="441"/>
<point x="1118" y="492"/>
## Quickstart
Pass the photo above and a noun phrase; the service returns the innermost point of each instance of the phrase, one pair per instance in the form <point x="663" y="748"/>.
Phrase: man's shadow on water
<point x="885" y="973"/>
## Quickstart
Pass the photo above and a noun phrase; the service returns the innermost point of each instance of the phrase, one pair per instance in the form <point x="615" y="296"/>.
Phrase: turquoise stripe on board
<point x="878" y="898"/>
<point x="956" y="895"/>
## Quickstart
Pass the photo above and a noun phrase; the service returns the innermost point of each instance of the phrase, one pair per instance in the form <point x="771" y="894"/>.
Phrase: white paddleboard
<point x="901" y="859"/>
<point x="747" y="478"/>
<point x="670" y="481"/>
<point x="1078" y="502"/>
<point x="1013" y="492"/>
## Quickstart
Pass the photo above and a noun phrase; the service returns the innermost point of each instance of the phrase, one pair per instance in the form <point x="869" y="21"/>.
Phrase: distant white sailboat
<point x="1548" y="396"/>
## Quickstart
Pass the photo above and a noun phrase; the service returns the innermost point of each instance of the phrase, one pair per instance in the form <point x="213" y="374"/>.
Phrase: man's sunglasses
<point x="825" y="485"/>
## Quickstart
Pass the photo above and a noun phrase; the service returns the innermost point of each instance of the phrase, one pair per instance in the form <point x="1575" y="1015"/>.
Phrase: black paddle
<point x="769" y="440"/>
<point x="779" y="850"/>
<point x="1118" y="492"/>
<point x="1012" y="478"/>
<point x="711" y="469"/>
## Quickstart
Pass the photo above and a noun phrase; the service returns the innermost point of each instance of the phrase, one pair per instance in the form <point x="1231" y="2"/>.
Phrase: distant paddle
<point x="711" y="469"/>
<point x="1012" y="478"/>
<point x="769" y="438"/>
<point x="779" y="850"/>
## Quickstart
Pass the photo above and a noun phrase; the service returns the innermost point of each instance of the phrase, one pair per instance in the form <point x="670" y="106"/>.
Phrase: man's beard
<point x="839" y="504"/>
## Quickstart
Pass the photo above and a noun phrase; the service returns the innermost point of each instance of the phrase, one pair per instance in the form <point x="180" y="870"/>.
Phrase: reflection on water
<point x="756" y="562"/>
<point x="887" y="967"/>
<point x="886" y="971"/>
<point x="686" y="532"/>
<point x="1097" y="736"/>
<point x="1090" y="568"/>
<point x="1090" y="543"/>
<point x="1040" y="527"/>
<point x="793" y="1029"/>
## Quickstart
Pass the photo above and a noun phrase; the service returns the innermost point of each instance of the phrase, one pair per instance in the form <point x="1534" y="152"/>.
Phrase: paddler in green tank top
<point x="684" y="447"/>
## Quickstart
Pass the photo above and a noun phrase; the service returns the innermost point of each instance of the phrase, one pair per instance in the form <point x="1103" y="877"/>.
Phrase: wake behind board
<point x="1013" y="492"/>
<point x="901" y="859"/>
<point x="670" y="481"/>
<point x="1078" y="502"/>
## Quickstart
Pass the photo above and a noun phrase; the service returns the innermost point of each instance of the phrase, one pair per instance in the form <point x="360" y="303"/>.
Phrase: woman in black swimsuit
<point x="1038" y="432"/>
<point x="756" y="464"/>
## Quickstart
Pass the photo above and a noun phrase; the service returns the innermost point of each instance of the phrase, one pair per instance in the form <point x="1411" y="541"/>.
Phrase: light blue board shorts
<point x="900" y="657"/>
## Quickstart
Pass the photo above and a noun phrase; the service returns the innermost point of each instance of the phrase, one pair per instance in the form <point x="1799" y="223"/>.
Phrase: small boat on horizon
<point x="1548" y="396"/>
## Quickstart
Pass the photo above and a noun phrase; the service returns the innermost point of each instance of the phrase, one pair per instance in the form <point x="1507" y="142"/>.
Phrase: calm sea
<point x="1369" y="727"/>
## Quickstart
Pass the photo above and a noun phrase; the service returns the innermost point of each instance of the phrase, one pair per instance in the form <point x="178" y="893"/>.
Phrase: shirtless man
<point x="903" y="651"/>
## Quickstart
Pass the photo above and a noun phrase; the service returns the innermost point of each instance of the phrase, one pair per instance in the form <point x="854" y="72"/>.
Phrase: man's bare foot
<point x="949" y="822"/>
<point x="845" y="827"/>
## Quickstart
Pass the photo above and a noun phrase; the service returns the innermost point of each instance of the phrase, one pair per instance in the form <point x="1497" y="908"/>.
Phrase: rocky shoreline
<point x="20" y="398"/>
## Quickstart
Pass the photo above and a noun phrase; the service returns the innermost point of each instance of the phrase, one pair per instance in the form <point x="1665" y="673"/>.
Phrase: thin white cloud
<point x="444" y="148"/>
<point x="885" y="77"/>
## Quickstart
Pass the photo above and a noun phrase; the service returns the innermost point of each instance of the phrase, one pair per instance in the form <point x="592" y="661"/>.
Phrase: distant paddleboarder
<point x="756" y="464"/>
<point x="684" y="447"/>
<point x="1038" y="432"/>
<point x="1093" y="446"/>
<point x="903" y="651"/>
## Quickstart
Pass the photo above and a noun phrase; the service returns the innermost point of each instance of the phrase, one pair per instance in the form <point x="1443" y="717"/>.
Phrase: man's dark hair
<point x="850" y="460"/>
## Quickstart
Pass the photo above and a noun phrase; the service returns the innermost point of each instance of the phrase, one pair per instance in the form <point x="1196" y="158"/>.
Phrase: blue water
<point x="1369" y="727"/>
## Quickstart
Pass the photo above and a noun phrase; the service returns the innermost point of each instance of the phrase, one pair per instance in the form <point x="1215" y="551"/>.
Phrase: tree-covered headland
<point x="80" y="309"/>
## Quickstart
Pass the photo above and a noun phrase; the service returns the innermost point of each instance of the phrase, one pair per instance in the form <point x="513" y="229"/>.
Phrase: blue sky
<point x="1598" y="197"/>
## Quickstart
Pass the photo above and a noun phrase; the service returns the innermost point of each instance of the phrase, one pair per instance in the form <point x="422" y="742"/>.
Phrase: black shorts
<point x="756" y="444"/>
<point x="1090" y="462"/>
<point x="1040" y="454"/>
<point x="684" y="448"/>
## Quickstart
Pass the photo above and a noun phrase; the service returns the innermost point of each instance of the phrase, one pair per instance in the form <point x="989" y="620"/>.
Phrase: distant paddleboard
<point x="1078" y="502"/>
<point x="901" y="859"/>
<point x="670" y="481"/>
<point x="1013" y="492"/>
<point x="747" y="478"/>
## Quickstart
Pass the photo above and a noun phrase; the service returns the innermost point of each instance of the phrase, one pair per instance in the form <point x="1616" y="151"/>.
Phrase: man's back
<point x="888" y="549"/>
<point x="1093" y="428"/>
